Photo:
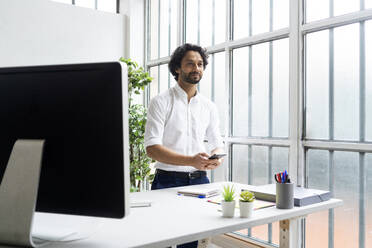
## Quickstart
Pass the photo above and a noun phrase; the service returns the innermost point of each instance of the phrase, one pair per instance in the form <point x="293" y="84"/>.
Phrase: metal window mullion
<point x="146" y="95"/>
<point x="269" y="226"/>
<point x="331" y="211"/>
<point x="169" y="35"/>
<point x="250" y="177"/>
<point x="159" y="27"/>
<point x="338" y="146"/>
<point x="250" y="72"/>
<point x="337" y="21"/>
<point x="73" y="2"/>
<point x="96" y="5"/>
<point x="198" y="36"/>
<point x="362" y="202"/>
<point x="213" y="22"/>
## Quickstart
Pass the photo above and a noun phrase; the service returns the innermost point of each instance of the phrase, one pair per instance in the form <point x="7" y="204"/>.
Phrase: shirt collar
<point x="183" y="94"/>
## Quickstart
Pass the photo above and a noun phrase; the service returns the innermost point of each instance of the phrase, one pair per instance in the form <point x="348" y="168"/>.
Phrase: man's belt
<point x="184" y="175"/>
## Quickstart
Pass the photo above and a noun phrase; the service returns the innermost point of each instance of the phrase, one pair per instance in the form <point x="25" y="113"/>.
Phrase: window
<point x="103" y="5"/>
<point x="283" y="107"/>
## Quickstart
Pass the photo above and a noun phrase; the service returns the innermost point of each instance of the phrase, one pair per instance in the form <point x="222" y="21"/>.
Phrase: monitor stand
<point x="19" y="224"/>
<point x="18" y="192"/>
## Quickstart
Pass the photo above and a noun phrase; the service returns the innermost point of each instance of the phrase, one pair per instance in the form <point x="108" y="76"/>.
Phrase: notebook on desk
<point x="199" y="192"/>
<point x="302" y="196"/>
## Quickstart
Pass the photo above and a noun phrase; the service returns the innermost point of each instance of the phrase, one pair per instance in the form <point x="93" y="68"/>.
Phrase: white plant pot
<point x="246" y="209"/>
<point x="228" y="209"/>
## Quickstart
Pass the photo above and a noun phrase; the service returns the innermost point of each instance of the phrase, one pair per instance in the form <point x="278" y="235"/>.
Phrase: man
<point x="178" y="121"/>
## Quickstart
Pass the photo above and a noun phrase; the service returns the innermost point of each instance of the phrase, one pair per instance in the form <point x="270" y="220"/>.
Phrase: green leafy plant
<point x="247" y="196"/>
<point x="228" y="193"/>
<point x="140" y="169"/>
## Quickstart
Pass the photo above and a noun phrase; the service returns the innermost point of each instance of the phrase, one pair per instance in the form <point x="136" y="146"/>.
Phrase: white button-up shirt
<point x="182" y="126"/>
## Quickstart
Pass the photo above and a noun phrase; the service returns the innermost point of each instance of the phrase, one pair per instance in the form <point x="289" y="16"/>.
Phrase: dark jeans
<point x="164" y="181"/>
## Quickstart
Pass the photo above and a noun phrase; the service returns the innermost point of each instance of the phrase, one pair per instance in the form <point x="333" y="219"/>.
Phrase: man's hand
<point x="214" y="163"/>
<point x="201" y="162"/>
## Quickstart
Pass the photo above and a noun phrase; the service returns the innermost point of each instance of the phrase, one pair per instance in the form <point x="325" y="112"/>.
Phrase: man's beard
<point x="188" y="78"/>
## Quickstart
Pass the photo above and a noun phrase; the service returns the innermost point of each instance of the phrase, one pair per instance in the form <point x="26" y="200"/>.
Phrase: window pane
<point x="317" y="85"/>
<point x="205" y="85"/>
<point x="317" y="165"/>
<point x="240" y="91"/>
<point x="241" y="18"/>
<point x="260" y="16"/>
<point x="280" y="88"/>
<point x="107" y="5"/>
<point x="345" y="6"/>
<point x="346" y="82"/>
<point x="192" y="21"/>
<point x="260" y="89"/>
<point x="220" y="21"/>
<point x="281" y="14"/>
<point x="368" y="4"/>
<point x="164" y="28"/>
<point x="316" y="10"/>
<point x="368" y="197"/>
<point x="163" y="78"/>
<point x="240" y="163"/>
<point x="154" y="29"/>
<point x="220" y="94"/>
<point x="154" y="86"/>
<point x="85" y="3"/>
<point x="368" y="94"/>
<point x="346" y="187"/>
<point x="174" y="24"/>
<point x="206" y="32"/>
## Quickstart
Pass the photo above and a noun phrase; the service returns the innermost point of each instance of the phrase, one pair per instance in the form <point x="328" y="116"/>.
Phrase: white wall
<point x="41" y="32"/>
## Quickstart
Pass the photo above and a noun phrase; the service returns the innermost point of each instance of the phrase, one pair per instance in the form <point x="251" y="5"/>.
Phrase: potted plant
<point x="140" y="169"/>
<point x="246" y="203"/>
<point x="228" y="202"/>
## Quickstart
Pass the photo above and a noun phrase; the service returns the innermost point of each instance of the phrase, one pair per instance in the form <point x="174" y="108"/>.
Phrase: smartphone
<point x="217" y="156"/>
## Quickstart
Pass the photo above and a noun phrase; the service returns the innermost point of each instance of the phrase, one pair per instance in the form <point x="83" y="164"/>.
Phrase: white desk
<point x="174" y="219"/>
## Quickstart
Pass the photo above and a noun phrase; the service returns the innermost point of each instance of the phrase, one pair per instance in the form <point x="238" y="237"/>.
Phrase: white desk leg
<point x="290" y="233"/>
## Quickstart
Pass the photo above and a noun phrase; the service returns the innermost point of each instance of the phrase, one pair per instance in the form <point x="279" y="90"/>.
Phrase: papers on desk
<point x="200" y="193"/>
<point x="302" y="196"/>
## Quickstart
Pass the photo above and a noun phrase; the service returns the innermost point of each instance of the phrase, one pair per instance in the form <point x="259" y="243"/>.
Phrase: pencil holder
<point x="284" y="195"/>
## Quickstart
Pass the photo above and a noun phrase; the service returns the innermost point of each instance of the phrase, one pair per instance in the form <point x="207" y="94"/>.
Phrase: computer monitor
<point x="80" y="112"/>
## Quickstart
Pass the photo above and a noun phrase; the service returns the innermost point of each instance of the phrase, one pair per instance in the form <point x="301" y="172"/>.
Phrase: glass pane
<point x="192" y="21"/>
<point x="154" y="73"/>
<point x="240" y="163"/>
<point x="346" y="82"/>
<point x="280" y="88"/>
<point x="345" y="6"/>
<point x="260" y="89"/>
<point x="164" y="28"/>
<point x="317" y="85"/>
<point x="281" y="14"/>
<point x="174" y="24"/>
<point x="260" y="16"/>
<point x="85" y="3"/>
<point x="154" y="29"/>
<point x="368" y="94"/>
<point x="346" y="185"/>
<point x="259" y="163"/>
<point x="220" y="94"/>
<point x="317" y="165"/>
<point x="240" y="91"/>
<point x="316" y="10"/>
<point x="163" y="78"/>
<point x="205" y="85"/>
<point x="368" y="4"/>
<point x="368" y="197"/>
<point x="107" y="5"/>
<point x="280" y="161"/>
<point x="220" y="21"/>
<point x="206" y="26"/>
<point x="241" y="19"/>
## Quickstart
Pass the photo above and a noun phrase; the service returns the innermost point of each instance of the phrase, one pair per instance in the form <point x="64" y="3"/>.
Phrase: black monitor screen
<point x="78" y="111"/>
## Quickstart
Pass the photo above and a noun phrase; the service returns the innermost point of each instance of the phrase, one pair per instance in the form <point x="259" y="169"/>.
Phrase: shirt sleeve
<point x="155" y="123"/>
<point x="213" y="131"/>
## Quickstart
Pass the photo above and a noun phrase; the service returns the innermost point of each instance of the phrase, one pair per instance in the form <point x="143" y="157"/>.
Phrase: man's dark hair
<point x="180" y="52"/>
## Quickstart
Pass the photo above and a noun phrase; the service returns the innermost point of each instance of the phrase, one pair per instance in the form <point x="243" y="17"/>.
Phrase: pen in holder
<point x="284" y="195"/>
